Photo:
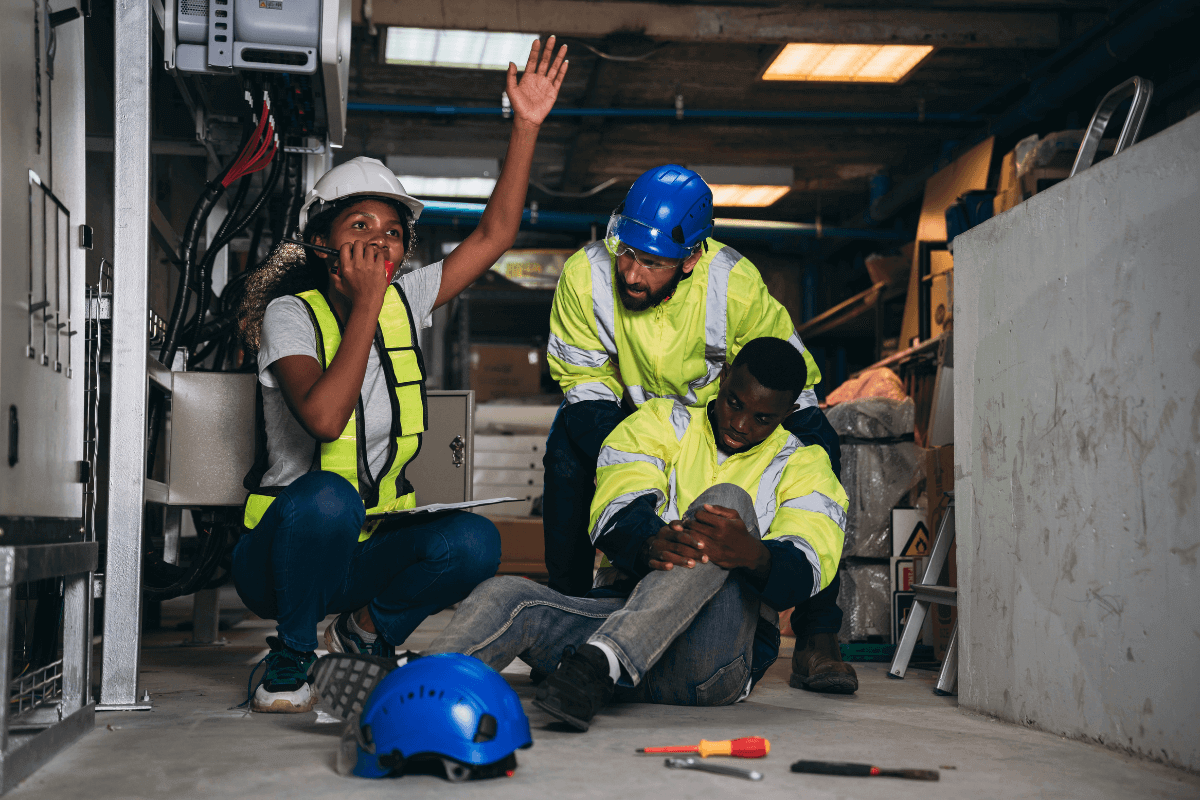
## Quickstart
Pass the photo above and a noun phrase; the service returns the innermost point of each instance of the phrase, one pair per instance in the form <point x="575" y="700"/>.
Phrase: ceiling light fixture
<point x="434" y="176"/>
<point x="731" y="195"/>
<point x="424" y="47"/>
<point x="846" y="63"/>
<point x="746" y="187"/>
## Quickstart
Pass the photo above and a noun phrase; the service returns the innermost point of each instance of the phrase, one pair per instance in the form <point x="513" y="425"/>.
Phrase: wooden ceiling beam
<point x="749" y="24"/>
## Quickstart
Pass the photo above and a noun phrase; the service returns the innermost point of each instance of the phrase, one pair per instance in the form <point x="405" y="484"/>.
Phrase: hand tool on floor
<point x="746" y="747"/>
<point x="716" y="769"/>
<point x="863" y="770"/>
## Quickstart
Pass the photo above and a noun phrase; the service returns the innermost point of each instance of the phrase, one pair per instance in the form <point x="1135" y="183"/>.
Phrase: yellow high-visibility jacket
<point x="400" y="359"/>
<point x="598" y="348"/>
<point x="669" y="450"/>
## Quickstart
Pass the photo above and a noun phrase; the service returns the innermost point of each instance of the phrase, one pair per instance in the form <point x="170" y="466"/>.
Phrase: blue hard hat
<point x="450" y="707"/>
<point x="667" y="213"/>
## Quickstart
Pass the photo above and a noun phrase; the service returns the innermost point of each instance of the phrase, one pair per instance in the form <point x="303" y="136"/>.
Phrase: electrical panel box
<point x="42" y="208"/>
<point x="300" y="37"/>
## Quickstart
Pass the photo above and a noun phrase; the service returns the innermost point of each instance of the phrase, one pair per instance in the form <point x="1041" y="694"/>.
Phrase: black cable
<point x="223" y="240"/>
<point x="187" y="580"/>
<point x="291" y="212"/>
<point x="210" y="255"/>
<point x="191" y="240"/>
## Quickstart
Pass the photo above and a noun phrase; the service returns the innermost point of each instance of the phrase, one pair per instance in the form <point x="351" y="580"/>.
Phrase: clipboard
<point x="436" y="507"/>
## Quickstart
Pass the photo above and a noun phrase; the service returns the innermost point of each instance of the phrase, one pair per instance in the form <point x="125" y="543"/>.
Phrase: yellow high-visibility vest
<point x="669" y="450"/>
<point x="598" y="349"/>
<point x="400" y="359"/>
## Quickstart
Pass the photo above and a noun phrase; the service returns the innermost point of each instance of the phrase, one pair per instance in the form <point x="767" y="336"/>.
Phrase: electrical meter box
<point x="301" y="37"/>
<point x="42" y="206"/>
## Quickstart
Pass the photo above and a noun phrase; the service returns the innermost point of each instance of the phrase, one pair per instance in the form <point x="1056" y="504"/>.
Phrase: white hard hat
<point x="358" y="176"/>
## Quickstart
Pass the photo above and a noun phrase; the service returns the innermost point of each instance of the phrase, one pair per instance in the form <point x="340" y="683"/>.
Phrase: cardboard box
<point x="522" y="546"/>
<point x="500" y="370"/>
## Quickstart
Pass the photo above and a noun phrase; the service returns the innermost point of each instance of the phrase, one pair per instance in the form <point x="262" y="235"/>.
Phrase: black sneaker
<point x="285" y="688"/>
<point x="579" y="687"/>
<point x="340" y="639"/>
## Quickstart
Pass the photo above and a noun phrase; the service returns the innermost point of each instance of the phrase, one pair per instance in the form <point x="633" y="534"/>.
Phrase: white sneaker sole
<point x="298" y="702"/>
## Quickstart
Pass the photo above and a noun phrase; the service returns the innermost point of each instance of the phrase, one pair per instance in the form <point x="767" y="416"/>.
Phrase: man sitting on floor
<point x="684" y="612"/>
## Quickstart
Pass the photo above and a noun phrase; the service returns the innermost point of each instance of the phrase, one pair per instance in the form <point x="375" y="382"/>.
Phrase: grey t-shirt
<point x="287" y="330"/>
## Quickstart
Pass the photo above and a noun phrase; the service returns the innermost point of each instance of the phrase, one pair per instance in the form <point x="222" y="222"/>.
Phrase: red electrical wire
<point x="259" y="150"/>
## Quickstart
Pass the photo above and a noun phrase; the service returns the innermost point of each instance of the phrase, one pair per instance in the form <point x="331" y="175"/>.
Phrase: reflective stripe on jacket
<point x="598" y="348"/>
<point x="402" y="365"/>
<point x="669" y="450"/>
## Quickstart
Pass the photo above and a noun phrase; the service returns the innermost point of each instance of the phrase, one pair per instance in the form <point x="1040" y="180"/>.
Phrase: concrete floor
<point x="193" y="744"/>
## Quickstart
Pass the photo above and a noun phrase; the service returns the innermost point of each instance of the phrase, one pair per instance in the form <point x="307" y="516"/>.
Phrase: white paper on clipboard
<point x="436" y="507"/>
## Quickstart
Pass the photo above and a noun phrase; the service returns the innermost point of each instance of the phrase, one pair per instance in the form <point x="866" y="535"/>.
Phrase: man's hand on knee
<point x="673" y="546"/>
<point x="723" y="537"/>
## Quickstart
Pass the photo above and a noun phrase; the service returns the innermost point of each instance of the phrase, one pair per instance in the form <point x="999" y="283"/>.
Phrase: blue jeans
<point x="304" y="561"/>
<point x="684" y="636"/>
<point x="578" y="433"/>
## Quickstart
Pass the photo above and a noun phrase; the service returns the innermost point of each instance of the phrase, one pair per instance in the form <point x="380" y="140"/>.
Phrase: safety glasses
<point x="618" y="249"/>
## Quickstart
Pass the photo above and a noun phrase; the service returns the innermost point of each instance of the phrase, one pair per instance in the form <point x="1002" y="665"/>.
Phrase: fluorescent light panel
<point x="424" y="186"/>
<point x="753" y="187"/>
<point x="733" y="194"/>
<point x="424" y="47"/>
<point x="846" y="63"/>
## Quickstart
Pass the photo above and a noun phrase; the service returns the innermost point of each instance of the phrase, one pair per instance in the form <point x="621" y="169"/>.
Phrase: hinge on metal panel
<point x="85" y="237"/>
<point x="83" y="471"/>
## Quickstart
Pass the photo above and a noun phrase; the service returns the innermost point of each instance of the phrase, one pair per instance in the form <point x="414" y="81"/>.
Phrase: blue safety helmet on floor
<point x="668" y="212"/>
<point x="449" y="707"/>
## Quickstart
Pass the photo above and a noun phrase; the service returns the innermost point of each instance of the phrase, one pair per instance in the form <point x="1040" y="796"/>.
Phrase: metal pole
<point x="77" y="642"/>
<point x="127" y="451"/>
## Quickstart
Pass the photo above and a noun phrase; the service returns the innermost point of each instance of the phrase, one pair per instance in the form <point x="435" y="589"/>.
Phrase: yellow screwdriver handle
<point x="708" y="748"/>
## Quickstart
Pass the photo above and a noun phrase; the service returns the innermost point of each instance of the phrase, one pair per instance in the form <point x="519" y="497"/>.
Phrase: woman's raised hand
<point x="533" y="96"/>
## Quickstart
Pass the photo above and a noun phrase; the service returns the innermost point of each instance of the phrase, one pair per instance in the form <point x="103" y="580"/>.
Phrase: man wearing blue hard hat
<point x="656" y="309"/>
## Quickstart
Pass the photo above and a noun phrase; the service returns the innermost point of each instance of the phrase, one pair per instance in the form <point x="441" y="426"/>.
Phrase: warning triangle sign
<point x="918" y="544"/>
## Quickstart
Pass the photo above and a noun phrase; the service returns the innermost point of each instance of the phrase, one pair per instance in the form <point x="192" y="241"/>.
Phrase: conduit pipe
<point x="438" y="212"/>
<point x="672" y="113"/>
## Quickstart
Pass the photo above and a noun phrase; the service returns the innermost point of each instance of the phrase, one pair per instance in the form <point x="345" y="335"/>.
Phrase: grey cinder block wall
<point x="1077" y="430"/>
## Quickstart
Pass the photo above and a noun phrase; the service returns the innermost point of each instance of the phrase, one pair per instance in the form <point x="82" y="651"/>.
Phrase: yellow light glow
<point x="846" y="63"/>
<point x="747" y="196"/>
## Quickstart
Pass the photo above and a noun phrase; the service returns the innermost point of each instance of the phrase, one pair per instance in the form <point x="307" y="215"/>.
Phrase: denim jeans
<point x="578" y="433"/>
<point x="684" y="636"/>
<point x="304" y="561"/>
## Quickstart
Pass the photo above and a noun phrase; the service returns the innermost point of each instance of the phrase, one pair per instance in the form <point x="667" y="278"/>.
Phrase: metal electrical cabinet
<point x="41" y="265"/>
<point x="46" y="557"/>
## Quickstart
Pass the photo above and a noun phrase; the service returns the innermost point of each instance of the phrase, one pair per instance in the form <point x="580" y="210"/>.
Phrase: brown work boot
<point x="818" y="666"/>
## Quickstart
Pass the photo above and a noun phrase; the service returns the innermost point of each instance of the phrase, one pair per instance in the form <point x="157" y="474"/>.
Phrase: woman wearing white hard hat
<point x="343" y="405"/>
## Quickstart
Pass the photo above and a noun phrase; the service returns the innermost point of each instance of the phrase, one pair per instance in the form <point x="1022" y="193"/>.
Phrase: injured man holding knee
<point x="711" y="520"/>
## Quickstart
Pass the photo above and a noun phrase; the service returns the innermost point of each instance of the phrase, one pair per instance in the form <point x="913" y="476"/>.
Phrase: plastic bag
<point x="865" y="598"/>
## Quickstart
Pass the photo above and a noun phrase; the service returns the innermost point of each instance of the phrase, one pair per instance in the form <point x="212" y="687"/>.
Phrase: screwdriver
<point x="746" y="747"/>
<point x="863" y="770"/>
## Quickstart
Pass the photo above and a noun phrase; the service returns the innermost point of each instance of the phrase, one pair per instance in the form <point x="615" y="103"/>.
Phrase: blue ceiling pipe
<point x="671" y="113"/>
<point x="440" y="212"/>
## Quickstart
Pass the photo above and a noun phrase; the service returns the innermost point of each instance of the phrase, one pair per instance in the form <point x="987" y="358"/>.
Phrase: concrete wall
<point x="1077" y="430"/>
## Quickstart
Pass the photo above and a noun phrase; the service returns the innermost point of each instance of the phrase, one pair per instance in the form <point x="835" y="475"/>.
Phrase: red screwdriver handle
<point x="750" y="747"/>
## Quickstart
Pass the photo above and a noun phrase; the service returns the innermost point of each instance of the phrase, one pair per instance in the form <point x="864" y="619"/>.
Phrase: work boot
<point x="818" y="666"/>
<point x="579" y="687"/>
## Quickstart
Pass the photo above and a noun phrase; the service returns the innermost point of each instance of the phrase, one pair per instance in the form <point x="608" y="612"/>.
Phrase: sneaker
<point x="345" y="681"/>
<point x="339" y="638"/>
<point x="579" y="687"/>
<point x="285" y="688"/>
